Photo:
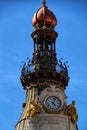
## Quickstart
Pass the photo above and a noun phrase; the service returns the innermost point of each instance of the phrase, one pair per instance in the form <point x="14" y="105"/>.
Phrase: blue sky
<point x="16" y="45"/>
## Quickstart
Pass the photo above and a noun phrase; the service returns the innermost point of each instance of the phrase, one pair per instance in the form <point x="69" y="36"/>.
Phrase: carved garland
<point x="44" y="83"/>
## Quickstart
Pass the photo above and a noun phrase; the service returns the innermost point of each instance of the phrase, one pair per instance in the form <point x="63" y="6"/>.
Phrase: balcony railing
<point x="59" y="67"/>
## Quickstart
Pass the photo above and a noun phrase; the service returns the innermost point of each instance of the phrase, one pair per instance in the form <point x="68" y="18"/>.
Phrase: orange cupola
<point x="44" y="15"/>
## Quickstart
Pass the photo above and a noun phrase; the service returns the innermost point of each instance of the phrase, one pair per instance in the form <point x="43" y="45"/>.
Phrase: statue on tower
<point x="71" y="111"/>
<point x="33" y="110"/>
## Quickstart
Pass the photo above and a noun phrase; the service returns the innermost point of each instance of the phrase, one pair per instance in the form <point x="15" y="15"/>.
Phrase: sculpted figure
<point x="34" y="109"/>
<point x="71" y="111"/>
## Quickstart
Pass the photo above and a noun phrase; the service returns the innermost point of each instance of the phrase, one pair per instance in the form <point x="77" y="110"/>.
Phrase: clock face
<point x="53" y="103"/>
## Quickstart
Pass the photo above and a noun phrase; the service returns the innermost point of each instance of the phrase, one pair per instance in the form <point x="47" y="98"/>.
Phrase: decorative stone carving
<point x="71" y="111"/>
<point x="55" y="92"/>
<point x="34" y="109"/>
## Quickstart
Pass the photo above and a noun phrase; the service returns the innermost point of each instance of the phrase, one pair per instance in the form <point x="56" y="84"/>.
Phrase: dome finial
<point x="44" y="2"/>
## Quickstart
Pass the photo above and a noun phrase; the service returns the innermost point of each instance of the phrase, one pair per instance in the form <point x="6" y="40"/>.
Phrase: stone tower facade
<point x="45" y="79"/>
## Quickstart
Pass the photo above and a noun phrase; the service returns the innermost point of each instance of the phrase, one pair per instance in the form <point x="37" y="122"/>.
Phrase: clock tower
<point x="45" y="79"/>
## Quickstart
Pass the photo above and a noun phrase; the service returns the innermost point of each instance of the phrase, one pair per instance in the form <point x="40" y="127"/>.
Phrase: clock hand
<point x="53" y="103"/>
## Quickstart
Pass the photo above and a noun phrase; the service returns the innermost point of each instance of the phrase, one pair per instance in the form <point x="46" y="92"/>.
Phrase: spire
<point x="44" y="2"/>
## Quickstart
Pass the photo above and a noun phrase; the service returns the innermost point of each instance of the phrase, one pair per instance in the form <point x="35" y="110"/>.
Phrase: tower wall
<point x="47" y="122"/>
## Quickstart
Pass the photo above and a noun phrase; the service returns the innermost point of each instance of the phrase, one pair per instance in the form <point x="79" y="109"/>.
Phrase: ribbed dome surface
<point x="44" y="14"/>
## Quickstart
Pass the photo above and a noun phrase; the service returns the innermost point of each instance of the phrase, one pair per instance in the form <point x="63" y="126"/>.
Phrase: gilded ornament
<point x="70" y="110"/>
<point x="34" y="109"/>
<point x="44" y="83"/>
